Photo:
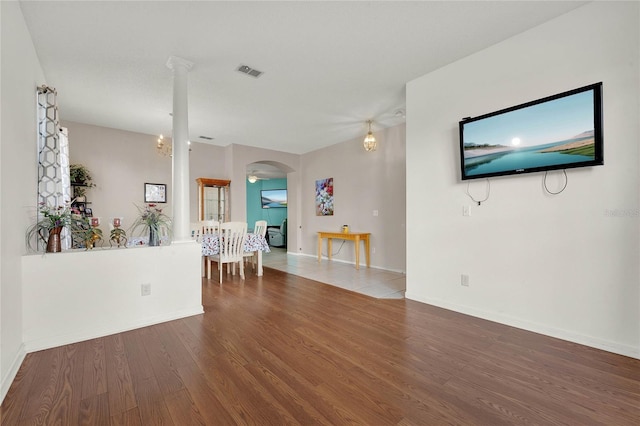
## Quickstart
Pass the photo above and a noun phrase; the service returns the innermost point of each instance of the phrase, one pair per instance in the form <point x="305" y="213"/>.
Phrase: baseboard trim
<point x="8" y="378"/>
<point x="605" y="345"/>
<point x="398" y="271"/>
<point x="82" y="335"/>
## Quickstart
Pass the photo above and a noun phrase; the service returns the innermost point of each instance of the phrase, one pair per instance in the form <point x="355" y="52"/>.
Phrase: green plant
<point x="80" y="175"/>
<point x="80" y="179"/>
<point x="151" y="218"/>
<point x="52" y="217"/>
<point x="79" y="191"/>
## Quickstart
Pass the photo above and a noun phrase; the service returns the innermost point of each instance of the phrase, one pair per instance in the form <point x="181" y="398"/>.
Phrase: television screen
<point x="273" y="198"/>
<point x="557" y="132"/>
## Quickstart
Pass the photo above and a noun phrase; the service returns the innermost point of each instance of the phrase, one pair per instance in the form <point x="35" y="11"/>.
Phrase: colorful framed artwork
<point x="324" y="197"/>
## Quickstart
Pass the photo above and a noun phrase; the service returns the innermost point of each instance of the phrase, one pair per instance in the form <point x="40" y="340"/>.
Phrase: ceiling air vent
<point x="249" y="71"/>
<point x="207" y="138"/>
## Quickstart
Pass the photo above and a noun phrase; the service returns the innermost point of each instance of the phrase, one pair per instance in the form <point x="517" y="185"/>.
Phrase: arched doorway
<point x="267" y="197"/>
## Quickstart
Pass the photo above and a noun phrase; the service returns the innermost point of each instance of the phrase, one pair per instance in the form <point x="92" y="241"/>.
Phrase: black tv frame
<point x="598" y="156"/>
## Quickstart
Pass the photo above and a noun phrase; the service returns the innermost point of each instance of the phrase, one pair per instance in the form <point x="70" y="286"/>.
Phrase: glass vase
<point x="154" y="237"/>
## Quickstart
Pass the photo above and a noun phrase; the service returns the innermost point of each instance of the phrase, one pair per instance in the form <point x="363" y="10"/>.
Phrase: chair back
<point x="260" y="228"/>
<point x="231" y="237"/>
<point x="209" y="226"/>
<point x="196" y="231"/>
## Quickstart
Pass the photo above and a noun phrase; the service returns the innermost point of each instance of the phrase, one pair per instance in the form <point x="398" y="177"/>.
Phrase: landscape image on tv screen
<point x="549" y="134"/>
<point x="273" y="198"/>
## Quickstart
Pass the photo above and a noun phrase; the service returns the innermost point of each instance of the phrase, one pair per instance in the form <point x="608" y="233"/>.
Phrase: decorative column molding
<point x="180" y="139"/>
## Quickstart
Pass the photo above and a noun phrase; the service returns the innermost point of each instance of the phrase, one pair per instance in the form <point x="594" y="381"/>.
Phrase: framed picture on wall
<point x="324" y="197"/>
<point x="155" y="193"/>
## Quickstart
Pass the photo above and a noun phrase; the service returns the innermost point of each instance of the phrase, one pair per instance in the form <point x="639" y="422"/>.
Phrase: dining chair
<point x="209" y="226"/>
<point x="196" y="231"/>
<point x="260" y="228"/>
<point x="231" y="236"/>
<point x="196" y="235"/>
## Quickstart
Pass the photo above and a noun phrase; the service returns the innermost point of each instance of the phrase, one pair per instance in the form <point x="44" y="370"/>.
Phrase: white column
<point x="180" y="142"/>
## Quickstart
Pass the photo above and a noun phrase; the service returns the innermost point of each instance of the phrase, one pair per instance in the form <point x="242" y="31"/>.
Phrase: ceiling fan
<point x="262" y="171"/>
<point x="253" y="178"/>
<point x="255" y="175"/>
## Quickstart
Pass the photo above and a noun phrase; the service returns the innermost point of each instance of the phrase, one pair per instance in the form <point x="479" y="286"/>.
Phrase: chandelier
<point x="370" y="143"/>
<point x="165" y="148"/>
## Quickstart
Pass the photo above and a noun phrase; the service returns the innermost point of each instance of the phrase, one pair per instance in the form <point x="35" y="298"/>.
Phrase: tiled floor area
<point x="370" y="281"/>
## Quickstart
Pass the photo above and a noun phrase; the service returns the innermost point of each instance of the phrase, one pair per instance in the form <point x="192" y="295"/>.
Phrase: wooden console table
<point x="353" y="236"/>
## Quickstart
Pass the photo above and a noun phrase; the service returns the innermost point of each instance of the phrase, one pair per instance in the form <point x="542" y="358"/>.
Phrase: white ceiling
<point x="328" y="66"/>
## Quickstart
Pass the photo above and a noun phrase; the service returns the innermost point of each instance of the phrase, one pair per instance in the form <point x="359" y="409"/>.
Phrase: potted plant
<point x="80" y="180"/>
<point x="79" y="193"/>
<point x="54" y="219"/>
<point x="153" y="221"/>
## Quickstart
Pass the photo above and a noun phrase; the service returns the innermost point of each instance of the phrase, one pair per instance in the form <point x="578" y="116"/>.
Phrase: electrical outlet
<point x="145" y="289"/>
<point x="466" y="210"/>
<point x="375" y="212"/>
<point x="373" y="250"/>
<point x="464" y="280"/>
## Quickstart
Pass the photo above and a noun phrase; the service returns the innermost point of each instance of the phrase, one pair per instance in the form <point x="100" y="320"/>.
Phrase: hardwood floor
<point x="287" y="350"/>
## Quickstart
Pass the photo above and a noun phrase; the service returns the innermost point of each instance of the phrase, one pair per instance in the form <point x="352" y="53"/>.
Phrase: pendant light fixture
<point x="370" y="143"/>
<point x="164" y="148"/>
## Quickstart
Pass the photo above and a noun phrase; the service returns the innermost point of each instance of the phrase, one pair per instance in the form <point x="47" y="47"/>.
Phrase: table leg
<point x="259" y="263"/>
<point x="329" y="248"/>
<point x="366" y="247"/>
<point x="319" y="248"/>
<point x="357" y="241"/>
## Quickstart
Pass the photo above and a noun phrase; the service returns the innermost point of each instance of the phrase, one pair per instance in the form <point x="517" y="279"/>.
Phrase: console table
<point x="352" y="236"/>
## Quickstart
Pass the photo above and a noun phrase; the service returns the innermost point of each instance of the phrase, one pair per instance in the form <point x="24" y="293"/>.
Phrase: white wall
<point x="78" y="295"/>
<point x="363" y="182"/>
<point x="561" y="265"/>
<point x="21" y="74"/>
<point x="73" y="296"/>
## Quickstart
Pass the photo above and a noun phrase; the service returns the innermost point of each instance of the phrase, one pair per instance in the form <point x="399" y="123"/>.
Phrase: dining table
<point x="252" y="243"/>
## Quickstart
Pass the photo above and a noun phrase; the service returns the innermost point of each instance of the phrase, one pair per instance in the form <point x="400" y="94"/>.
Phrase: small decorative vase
<point x="54" y="244"/>
<point x="154" y="238"/>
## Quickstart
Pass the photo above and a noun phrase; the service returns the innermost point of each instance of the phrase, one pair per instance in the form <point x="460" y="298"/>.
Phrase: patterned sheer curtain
<point x="54" y="187"/>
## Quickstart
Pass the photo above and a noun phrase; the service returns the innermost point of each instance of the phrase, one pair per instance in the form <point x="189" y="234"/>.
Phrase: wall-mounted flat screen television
<point x="557" y="132"/>
<point x="273" y="198"/>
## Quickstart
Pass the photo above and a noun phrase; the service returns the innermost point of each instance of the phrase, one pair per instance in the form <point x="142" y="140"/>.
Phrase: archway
<point x="266" y="199"/>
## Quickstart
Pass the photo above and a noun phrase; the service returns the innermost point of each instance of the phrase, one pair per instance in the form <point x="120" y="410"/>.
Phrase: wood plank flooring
<point x="281" y="349"/>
